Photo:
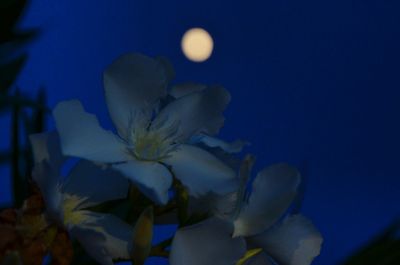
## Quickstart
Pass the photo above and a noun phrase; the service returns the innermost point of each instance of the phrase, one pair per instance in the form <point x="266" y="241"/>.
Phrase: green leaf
<point x="142" y="237"/>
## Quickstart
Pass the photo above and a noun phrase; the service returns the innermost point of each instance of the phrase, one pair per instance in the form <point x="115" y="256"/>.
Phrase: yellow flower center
<point x="152" y="142"/>
<point x="72" y="215"/>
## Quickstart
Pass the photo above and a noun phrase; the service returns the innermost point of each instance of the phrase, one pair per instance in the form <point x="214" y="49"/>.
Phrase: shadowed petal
<point x="196" y="112"/>
<point x="93" y="242"/>
<point x="82" y="136"/>
<point x="201" y="172"/>
<point x="168" y="67"/>
<point x="229" y="206"/>
<point x="47" y="180"/>
<point x="229" y="147"/>
<point x="294" y="242"/>
<point x="209" y="242"/>
<point x="105" y="239"/>
<point x="181" y="90"/>
<point x="88" y="180"/>
<point x="273" y="191"/>
<point x="151" y="178"/>
<point x="132" y="82"/>
<point x="118" y="235"/>
<point x="46" y="147"/>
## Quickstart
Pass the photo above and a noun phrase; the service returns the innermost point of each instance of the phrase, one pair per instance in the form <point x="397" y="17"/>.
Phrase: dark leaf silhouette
<point x="10" y="12"/>
<point x="9" y="72"/>
<point x="383" y="250"/>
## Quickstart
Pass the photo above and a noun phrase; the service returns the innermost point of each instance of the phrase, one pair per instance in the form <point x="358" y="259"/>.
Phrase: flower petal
<point x="47" y="179"/>
<point x="232" y="147"/>
<point x="201" y="172"/>
<point x="106" y="238"/>
<point x="294" y="242"/>
<point x="93" y="242"/>
<point x="228" y="206"/>
<point x="118" y="235"/>
<point x="97" y="184"/>
<point x="209" y="242"/>
<point x="82" y="136"/>
<point x="196" y="112"/>
<point x="184" y="89"/>
<point x="46" y="172"/>
<point x="132" y="82"/>
<point x="273" y="191"/>
<point x="152" y="179"/>
<point x="46" y="147"/>
<point x="168" y="67"/>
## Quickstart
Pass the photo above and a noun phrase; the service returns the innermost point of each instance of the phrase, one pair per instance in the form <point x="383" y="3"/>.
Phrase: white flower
<point x="208" y="242"/>
<point x="104" y="236"/>
<point x="156" y="131"/>
<point x="254" y="224"/>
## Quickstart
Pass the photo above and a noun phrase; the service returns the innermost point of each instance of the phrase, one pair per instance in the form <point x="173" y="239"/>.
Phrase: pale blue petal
<point x="105" y="238"/>
<point x="273" y="191"/>
<point x="95" y="183"/>
<point x="118" y="236"/>
<point x="195" y="113"/>
<point x="184" y="89"/>
<point x="201" y="172"/>
<point x="168" y="67"/>
<point x="229" y="206"/>
<point x="208" y="242"/>
<point x="153" y="179"/>
<point x="133" y="81"/>
<point x="47" y="179"/>
<point x="81" y="135"/>
<point x="229" y="147"/>
<point x="294" y="242"/>
<point x="46" y="147"/>
<point x="46" y="172"/>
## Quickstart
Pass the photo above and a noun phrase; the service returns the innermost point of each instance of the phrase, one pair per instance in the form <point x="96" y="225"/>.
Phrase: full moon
<point x="197" y="44"/>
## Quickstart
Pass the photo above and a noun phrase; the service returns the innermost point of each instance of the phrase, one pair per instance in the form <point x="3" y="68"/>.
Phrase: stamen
<point x="152" y="141"/>
<point x="71" y="213"/>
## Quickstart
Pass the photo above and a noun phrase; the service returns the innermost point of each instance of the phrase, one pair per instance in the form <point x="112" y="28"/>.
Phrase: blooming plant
<point x="162" y="165"/>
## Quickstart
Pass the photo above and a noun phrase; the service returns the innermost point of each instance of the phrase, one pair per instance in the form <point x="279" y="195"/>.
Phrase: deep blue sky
<point x="315" y="81"/>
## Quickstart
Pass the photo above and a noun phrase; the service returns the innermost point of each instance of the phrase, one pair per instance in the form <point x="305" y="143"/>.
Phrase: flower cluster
<point x="163" y="164"/>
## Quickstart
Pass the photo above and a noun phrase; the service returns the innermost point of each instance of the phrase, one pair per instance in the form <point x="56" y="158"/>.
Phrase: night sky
<point x="313" y="83"/>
